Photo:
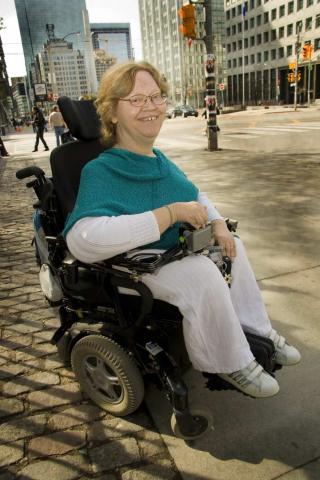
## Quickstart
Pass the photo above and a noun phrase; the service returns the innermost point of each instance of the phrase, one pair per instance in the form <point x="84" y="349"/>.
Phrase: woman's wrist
<point x="171" y="210"/>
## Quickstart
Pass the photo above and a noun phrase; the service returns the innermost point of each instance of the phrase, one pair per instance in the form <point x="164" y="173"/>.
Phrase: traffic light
<point x="187" y="13"/>
<point x="307" y="51"/>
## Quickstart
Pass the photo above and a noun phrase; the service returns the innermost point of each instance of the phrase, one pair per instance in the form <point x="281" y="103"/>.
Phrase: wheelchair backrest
<point x="68" y="160"/>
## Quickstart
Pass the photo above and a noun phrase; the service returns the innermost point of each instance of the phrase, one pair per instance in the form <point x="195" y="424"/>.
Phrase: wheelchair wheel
<point x="202" y="415"/>
<point x="107" y="374"/>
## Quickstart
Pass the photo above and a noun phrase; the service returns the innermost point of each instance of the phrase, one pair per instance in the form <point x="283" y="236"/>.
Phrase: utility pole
<point x="210" y="74"/>
<point x="296" y="70"/>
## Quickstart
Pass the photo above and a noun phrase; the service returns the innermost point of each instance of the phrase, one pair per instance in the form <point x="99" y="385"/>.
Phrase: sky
<point x="100" y="11"/>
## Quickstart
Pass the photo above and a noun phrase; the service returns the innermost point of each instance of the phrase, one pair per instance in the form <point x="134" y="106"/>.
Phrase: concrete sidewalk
<point x="276" y="199"/>
<point x="48" y="427"/>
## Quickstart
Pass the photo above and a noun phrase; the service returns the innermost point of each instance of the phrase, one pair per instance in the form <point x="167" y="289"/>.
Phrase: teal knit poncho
<point x="119" y="182"/>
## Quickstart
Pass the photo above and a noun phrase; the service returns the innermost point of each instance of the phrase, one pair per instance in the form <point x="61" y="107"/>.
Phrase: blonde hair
<point x="116" y="83"/>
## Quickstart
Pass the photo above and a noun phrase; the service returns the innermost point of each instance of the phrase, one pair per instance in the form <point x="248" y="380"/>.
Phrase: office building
<point x="5" y="101"/>
<point x="111" y="44"/>
<point x="63" y="69"/>
<point x="263" y="45"/>
<point x="20" y="100"/>
<point x="180" y="60"/>
<point x="69" y="19"/>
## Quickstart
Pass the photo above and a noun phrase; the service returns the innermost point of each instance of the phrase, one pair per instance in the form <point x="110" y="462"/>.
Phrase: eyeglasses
<point x="140" y="100"/>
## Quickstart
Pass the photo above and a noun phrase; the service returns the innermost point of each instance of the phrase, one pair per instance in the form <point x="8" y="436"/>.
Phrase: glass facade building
<point x="113" y="38"/>
<point x="34" y="15"/>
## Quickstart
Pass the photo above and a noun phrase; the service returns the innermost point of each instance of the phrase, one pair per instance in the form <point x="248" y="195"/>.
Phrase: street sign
<point x="40" y="91"/>
<point x="221" y="86"/>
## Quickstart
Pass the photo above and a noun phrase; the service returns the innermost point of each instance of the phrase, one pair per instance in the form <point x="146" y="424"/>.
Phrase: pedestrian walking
<point x="3" y="150"/>
<point x="57" y="123"/>
<point x="39" y="123"/>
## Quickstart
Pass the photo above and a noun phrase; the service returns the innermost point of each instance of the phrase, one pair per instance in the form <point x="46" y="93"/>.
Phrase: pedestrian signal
<point x="187" y="13"/>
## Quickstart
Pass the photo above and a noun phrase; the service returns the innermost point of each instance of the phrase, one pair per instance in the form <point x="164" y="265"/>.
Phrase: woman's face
<point x="139" y="125"/>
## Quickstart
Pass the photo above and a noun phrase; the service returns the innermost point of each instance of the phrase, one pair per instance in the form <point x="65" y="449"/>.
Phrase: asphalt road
<point x="264" y="131"/>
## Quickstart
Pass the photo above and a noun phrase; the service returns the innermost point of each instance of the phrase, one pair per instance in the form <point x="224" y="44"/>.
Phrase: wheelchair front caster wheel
<point x="107" y="374"/>
<point x="204" y="423"/>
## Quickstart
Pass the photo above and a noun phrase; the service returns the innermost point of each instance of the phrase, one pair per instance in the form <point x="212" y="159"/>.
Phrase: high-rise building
<point x="69" y="19"/>
<point x="181" y="60"/>
<point x="264" y="41"/>
<point x="113" y="38"/>
<point x="111" y="44"/>
<point x="5" y="103"/>
<point x="63" y="69"/>
<point x="20" y="101"/>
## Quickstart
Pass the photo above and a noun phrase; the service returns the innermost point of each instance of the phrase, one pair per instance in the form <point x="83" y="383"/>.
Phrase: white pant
<point x="213" y="314"/>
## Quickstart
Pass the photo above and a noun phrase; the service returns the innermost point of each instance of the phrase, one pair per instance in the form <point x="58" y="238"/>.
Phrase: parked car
<point x="182" y="111"/>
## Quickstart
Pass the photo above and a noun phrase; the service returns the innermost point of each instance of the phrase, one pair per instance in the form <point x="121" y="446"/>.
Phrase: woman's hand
<point x="193" y="213"/>
<point x="224" y="238"/>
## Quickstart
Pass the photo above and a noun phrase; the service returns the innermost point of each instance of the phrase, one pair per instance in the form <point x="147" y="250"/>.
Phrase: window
<point x="246" y="24"/>
<point x="234" y="30"/>
<point x="251" y="4"/>
<point x="259" y="39"/>
<point x="228" y="48"/>
<point x="246" y="43"/>
<point x="229" y="64"/>
<point x="299" y="4"/>
<point x="309" y="3"/>
<point x="234" y="46"/>
<point x="240" y="61"/>
<point x="290" y="7"/>
<point x="258" y="20"/>
<point x="289" y="50"/>
<point x="281" y="52"/>
<point x="317" y="44"/>
<point x="273" y="54"/>
<point x="252" y="41"/>
<point x="246" y="60"/>
<point x="299" y="26"/>
<point x="259" y="57"/>
<point x="252" y="22"/>
<point x="252" y="58"/>
<point x="266" y="37"/>
<point x="228" y="14"/>
<point x="234" y="63"/>
<point x="258" y="3"/>
<point x="289" y="29"/>
<point x="281" y="32"/>
<point x="240" y="9"/>
<point x="233" y="12"/>
<point x="266" y="56"/>
<point x="282" y="10"/>
<point x="308" y="23"/>
<point x="239" y="44"/>
<point x="273" y="34"/>
<point x="273" y="14"/>
<point x="266" y="17"/>
<point x="239" y="27"/>
<point x="317" y="20"/>
<point x="228" y="32"/>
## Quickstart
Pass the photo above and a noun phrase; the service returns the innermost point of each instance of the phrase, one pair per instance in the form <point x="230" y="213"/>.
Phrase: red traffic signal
<point x="187" y="13"/>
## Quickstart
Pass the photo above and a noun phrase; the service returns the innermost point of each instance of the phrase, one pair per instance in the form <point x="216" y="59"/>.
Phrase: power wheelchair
<point x="114" y="341"/>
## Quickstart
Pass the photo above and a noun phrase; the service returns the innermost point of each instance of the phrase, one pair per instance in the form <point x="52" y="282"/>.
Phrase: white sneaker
<point x="253" y="381"/>
<point x="285" y="354"/>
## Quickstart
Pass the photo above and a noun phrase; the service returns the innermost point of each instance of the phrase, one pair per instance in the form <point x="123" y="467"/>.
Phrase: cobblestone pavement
<point x="47" y="428"/>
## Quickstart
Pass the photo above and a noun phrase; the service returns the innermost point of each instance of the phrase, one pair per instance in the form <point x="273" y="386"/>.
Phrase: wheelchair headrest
<point x="81" y="118"/>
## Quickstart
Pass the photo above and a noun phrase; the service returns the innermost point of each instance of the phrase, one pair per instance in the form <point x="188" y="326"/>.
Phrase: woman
<point x="39" y="124"/>
<point x="132" y="196"/>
